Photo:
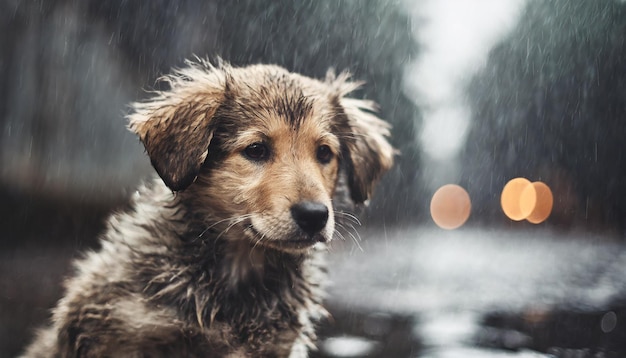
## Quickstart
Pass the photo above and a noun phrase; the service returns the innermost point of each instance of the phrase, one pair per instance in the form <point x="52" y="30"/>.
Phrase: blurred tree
<point x="63" y="94"/>
<point x="549" y="105"/>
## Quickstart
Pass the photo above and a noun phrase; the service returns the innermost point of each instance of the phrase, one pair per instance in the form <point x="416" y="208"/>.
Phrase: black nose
<point x="310" y="216"/>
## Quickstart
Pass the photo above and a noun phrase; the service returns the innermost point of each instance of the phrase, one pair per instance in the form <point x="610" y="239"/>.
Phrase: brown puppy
<point x="224" y="259"/>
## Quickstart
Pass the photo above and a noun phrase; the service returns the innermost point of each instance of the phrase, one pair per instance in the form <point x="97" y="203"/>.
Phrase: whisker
<point x="234" y="221"/>
<point x="349" y="216"/>
<point x="257" y="241"/>
<point x="356" y="232"/>
<point x="219" y="222"/>
<point x="354" y="238"/>
<point x="257" y="238"/>
<point x="339" y="234"/>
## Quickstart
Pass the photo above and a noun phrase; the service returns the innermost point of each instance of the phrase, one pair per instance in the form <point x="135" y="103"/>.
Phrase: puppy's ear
<point x="366" y="151"/>
<point x="176" y="125"/>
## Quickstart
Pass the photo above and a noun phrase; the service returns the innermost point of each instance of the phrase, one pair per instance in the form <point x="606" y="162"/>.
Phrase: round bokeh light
<point x="511" y="199"/>
<point x="544" y="200"/>
<point x="450" y="207"/>
<point x="522" y="199"/>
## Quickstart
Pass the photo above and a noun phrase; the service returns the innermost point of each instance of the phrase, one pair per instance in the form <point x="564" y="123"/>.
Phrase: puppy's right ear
<point x="176" y="126"/>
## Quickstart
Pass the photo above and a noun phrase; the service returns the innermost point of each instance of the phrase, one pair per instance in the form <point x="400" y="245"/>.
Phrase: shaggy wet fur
<point x="221" y="256"/>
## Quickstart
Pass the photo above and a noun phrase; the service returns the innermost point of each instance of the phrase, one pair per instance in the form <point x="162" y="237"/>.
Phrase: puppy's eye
<point x="257" y="152"/>
<point x="324" y="154"/>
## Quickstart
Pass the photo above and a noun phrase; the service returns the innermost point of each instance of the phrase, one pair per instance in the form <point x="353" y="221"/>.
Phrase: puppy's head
<point x="257" y="150"/>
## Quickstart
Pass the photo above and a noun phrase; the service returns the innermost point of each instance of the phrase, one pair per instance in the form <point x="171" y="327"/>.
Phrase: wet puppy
<point x="222" y="257"/>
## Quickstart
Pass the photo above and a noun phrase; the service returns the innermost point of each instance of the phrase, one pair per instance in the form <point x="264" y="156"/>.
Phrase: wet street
<point x="419" y="292"/>
<point x="480" y="293"/>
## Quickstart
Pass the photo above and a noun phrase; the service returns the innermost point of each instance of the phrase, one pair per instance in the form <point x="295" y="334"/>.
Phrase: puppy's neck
<point x="248" y="265"/>
<point x="243" y="262"/>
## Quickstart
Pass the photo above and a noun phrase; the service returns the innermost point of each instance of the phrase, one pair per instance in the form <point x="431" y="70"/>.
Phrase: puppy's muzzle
<point x="311" y="216"/>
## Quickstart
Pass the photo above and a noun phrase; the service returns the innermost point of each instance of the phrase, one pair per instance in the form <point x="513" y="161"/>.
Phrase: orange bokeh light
<point x="450" y="207"/>
<point x="545" y="201"/>
<point x="511" y="199"/>
<point x="522" y="199"/>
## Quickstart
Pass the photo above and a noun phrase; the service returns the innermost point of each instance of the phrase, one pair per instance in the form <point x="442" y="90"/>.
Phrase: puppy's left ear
<point x="176" y="125"/>
<point x="366" y="151"/>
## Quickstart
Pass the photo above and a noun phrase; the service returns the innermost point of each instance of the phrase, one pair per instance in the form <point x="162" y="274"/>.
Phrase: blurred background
<point x="478" y="92"/>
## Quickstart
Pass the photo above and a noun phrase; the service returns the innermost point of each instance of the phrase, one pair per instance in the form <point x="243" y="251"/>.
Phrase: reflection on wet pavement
<point x="482" y="293"/>
<point x="419" y="293"/>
